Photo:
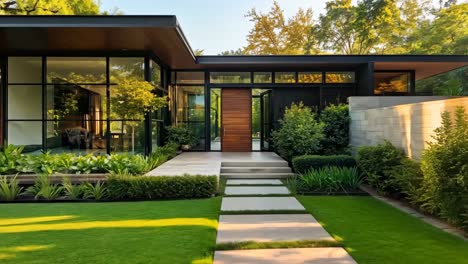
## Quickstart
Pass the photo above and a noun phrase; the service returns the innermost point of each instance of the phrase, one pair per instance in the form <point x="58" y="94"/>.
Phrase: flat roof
<point x="163" y="36"/>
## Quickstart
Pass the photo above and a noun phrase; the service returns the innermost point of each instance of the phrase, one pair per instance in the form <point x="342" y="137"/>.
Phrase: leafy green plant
<point x="162" y="187"/>
<point x="306" y="163"/>
<point x="330" y="180"/>
<point x="97" y="191"/>
<point x="445" y="169"/>
<point x="181" y="135"/>
<point x="72" y="191"/>
<point x="9" y="188"/>
<point x="43" y="188"/>
<point x="9" y="157"/>
<point x="377" y="162"/>
<point x="169" y="150"/>
<point x="299" y="132"/>
<point x="409" y="177"/>
<point x="336" y="129"/>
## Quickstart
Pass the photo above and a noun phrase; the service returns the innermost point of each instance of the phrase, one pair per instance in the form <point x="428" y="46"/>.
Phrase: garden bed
<point x="29" y="179"/>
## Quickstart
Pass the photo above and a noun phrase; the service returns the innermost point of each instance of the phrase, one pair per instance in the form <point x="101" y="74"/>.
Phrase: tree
<point x="237" y="52"/>
<point x="131" y="100"/>
<point x="49" y="7"/>
<point x="446" y="34"/>
<point x="273" y="35"/>
<point x="198" y="52"/>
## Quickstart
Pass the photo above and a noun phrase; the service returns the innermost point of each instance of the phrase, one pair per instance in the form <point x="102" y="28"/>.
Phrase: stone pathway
<point x="294" y="225"/>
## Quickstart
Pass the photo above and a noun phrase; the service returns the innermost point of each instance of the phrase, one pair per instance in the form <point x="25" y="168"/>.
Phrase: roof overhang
<point x="423" y="65"/>
<point x="163" y="36"/>
<point x="160" y="34"/>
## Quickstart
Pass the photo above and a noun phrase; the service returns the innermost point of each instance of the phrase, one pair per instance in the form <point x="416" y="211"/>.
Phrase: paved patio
<point x="209" y="163"/>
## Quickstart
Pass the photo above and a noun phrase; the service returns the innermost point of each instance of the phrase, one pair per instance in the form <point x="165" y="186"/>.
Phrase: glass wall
<point x="76" y="106"/>
<point x="191" y="111"/>
<point x="25" y="102"/>
<point x="230" y="77"/>
<point x="215" y="119"/>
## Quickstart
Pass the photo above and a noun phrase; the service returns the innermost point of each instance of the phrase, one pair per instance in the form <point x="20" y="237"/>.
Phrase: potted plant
<point x="182" y="136"/>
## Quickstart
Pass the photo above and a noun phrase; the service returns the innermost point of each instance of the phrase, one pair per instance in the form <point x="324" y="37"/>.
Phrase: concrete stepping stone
<point x="269" y="228"/>
<point x="331" y="255"/>
<point x="260" y="203"/>
<point x="253" y="182"/>
<point x="255" y="190"/>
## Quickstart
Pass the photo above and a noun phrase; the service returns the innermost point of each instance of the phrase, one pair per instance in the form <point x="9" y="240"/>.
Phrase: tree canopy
<point x="49" y="7"/>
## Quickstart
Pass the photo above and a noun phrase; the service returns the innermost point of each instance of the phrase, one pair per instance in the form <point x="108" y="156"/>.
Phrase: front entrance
<point x="236" y="120"/>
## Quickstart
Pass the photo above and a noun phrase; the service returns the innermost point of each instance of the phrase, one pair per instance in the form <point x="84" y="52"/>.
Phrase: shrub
<point x="299" y="132"/>
<point x="330" y="180"/>
<point x="9" y="188"/>
<point x="161" y="187"/>
<point x="181" y="135"/>
<point x="336" y="121"/>
<point x="376" y="163"/>
<point x="445" y="168"/>
<point x="97" y="191"/>
<point x="43" y="188"/>
<point x="306" y="163"/>
<point x="72" y="191"/>
<point x="408" y="177"/>
<point x="9" y="157"/>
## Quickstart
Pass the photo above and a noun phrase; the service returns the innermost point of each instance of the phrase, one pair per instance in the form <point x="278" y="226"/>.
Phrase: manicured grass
<point x="135" y="232"/>
<point x="374" y="232"/>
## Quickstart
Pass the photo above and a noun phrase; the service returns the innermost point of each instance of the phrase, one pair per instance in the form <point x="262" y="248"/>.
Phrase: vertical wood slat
<point x="236" y="118"/>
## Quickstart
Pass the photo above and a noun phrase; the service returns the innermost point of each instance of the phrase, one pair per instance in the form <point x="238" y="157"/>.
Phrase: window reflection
<point x="391" y="82"/>
<point x="191" y="111"/>
<point x="310" y="77"/>
<point x="340" y="77"/>
<point x="285" y="77"/>
<point x="76" y="70"/>
<point x="128" y="68"/>
<point x="215" y="119"/>
<point x="262" y="77"/>
<point x="230" y="77"/>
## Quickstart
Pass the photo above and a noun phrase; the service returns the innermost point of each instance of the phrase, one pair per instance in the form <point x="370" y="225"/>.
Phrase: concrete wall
<point x="406" y="121"/>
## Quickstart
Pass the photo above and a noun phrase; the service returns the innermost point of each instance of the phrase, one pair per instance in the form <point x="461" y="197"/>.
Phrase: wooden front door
<point x="236" y="120"/>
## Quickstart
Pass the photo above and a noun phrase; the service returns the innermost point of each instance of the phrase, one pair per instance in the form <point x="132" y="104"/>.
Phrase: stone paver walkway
<point x="253" y="182"/>
<point x="270" y="227"/>
<point x="255" y="190"/>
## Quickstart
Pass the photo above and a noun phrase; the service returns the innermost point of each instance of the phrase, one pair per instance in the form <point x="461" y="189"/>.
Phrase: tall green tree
<point x="447" y="33"/>
<point x="49" y="7"/>
<point x="273" y="34"/>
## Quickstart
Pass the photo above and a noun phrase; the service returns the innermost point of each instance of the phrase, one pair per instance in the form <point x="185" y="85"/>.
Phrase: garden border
<point x="437" y="223"/>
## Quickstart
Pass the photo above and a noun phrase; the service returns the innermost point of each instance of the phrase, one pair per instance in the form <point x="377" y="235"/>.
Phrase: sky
<point x="211" y="25"/>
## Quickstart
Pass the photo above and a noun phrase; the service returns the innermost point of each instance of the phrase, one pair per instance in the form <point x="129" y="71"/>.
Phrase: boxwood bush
<point x="305" y="163"/>
<point x="121" y="187"/>
<point x="377" y="163"/>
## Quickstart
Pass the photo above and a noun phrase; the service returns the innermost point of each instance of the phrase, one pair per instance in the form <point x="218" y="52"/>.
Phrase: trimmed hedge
<point x="305" y="163"/>
<point x="160" y="187"/>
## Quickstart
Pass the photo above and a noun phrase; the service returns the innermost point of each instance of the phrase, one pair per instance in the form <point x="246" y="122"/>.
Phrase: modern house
<point x="58" y="74"/>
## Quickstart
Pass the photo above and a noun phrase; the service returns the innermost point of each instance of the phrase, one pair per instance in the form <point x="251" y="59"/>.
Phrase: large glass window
<point x="230" y="77"/>
<point x="127" y="130"/>
<point x="340" y="77"/>
<point x="25" y="102"/>
<point x="70" y="108"/>
<point x="391" y="82"/>
<point x="191" y="111"/>
<point x="285" y="77"/>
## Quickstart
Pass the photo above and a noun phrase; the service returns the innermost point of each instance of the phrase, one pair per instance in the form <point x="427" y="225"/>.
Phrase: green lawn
<point x="374" y="232"/>
<point x="136" y="232"/>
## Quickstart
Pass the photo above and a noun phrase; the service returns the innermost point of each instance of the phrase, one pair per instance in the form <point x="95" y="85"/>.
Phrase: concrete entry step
<point x="255" y="169"/>
<point x="246" y="175"/>
<point x="254" y="164"/>
<point x="331" y="255"/>
<point x="260" y="204"/>
<point x="255" y="190"/>
<point x="254" y="182"/>
<point x="270" y="228"/>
